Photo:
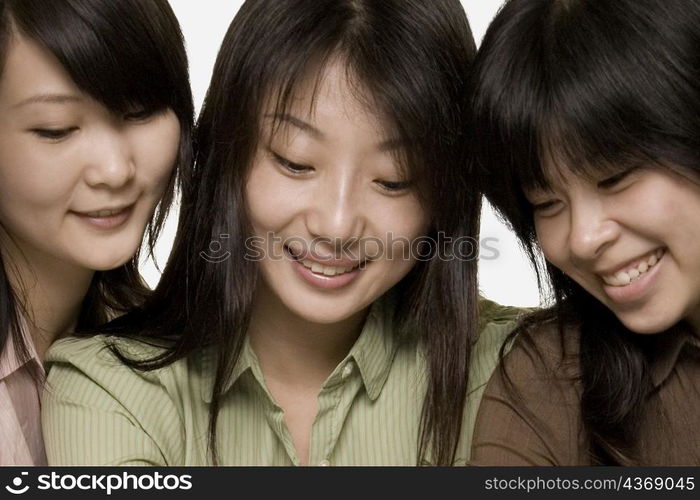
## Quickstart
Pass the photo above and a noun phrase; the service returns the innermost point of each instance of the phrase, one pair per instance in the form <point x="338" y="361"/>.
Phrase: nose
<point x="592" y="229"/>
<point x="337" y="212"/>
<point x="109" y="161"/>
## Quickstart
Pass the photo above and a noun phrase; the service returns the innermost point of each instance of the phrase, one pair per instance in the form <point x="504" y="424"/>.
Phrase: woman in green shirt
<point x="320" y="305"/>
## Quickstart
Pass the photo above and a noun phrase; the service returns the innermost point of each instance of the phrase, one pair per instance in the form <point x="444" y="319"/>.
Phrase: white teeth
<point x="325" y="270"/>
<point x="104" y="213"/>
<point x="624" y="278"/>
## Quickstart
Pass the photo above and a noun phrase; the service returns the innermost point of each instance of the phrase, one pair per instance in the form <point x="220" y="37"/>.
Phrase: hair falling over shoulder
<point x="595" y="83"/>
<point x="123" y="53"/>
<point x="413" y="58"/>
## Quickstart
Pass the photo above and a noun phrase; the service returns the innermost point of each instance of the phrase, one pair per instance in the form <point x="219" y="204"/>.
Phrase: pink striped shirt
<point x="21" y="441"/>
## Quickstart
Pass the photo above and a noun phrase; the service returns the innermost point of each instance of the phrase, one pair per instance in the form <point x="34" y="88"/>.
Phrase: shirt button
<point x="347" y="370"/>
<point x="324" y="463"/>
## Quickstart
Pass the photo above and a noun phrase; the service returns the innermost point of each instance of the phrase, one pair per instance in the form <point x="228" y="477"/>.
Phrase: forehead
<point x="28" y="70"/>
<point x="331" y="97"/>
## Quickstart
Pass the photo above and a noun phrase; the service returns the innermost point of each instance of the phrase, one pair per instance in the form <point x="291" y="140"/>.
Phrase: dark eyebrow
<point x="300" y="124"/>
<point x="49" y="99"/>
<point x="388" y="145"/>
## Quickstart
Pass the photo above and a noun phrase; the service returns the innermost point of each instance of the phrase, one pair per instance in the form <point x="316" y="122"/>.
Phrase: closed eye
<point x="614" y="180"/>
<point x="139" y="115"/>
<point x="546" y="208"/>
<point x="53" y="134"/>
<point x="290" y="166"/>
<point x="393" y="186"/>
<point x="544" y="201"/>
<point x="143" y="114"/>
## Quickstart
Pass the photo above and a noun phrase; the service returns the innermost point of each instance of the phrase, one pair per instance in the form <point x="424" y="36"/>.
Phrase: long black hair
<point x="126" y="54"/>
<point x="598" y="85"/>
<point x="413" y="58"/>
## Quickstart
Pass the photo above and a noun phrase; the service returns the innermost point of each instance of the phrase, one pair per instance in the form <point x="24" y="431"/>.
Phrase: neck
<point x="295" y="351"/>
<point x="51" y="292"/>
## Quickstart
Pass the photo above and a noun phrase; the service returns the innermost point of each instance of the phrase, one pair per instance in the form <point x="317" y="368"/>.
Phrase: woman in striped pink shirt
<point x="95" y="122"/>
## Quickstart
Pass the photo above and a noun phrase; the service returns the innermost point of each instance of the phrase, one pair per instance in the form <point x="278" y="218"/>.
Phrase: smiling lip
<point x="638" y="287"/>
<point x="328" y="274"/>
<point x="106" y="218"/>
<point x="623" y="274"/>
<point x="314" y="258"/>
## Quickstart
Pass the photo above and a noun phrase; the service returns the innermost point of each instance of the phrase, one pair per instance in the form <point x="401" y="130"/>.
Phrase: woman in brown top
<point x="589" y="140"/>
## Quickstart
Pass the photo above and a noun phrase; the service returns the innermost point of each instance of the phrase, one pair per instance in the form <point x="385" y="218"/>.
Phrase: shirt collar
<point x="373" y="352"/>
<point x="208" y="361"/>
<point x="491" y="312"/>
<point x="8" y="356"/>
<point x="666" y="348"/>
<point x="374" y="349"/>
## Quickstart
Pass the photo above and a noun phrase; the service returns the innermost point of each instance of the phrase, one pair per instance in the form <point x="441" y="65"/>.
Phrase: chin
<point x="322" y="319"/>
<point x="107" y="262"/>
<point x="648" y="326"/>
<point x="321" y="315"/>
<point x="105" y="256"/>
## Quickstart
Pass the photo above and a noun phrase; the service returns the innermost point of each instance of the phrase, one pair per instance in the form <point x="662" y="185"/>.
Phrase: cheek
<point x="400" y="225"/>
<point x="406" y="217"/>
<point x="551" y="238"/>
<point x="29" y="182"/>
<point x="271" y="200"/>
<point x="665" y="210"/>
<point x="156" y="150"/>
<point x="678" y="212"/>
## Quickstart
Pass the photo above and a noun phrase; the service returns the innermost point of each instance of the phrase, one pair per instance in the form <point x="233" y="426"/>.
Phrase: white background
<point x="507" y="279"/>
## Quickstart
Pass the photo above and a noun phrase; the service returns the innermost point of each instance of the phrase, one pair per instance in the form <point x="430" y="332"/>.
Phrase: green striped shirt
<point x="97" y="411"/>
